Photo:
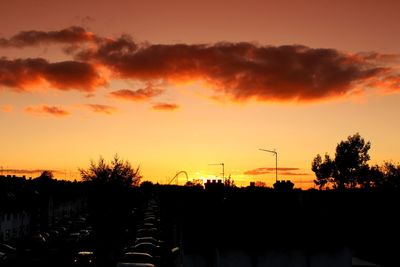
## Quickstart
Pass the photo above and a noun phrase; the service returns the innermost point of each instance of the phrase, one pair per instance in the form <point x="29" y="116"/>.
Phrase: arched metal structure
<point x="176" y="176"/>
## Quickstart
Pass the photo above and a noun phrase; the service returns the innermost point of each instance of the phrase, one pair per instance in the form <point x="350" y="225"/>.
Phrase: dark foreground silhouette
<point x="95" y="224"/>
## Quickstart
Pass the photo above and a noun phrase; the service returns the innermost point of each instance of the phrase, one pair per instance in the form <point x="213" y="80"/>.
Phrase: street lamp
<point x="276" y="161"/>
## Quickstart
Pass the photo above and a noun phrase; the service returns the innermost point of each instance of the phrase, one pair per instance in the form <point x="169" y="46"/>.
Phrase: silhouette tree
<point x="391" y="175"/>
<point x="46" y="176"/>
<point x="118" y="172"/>
<point x="375" y="178"/>
<point x="195" y="182"/>
<point x="260" y="184"/>
<point x="351" y="161"/>
<point x="348" y="169"/>
<point x="109" y="202"/>
<point x="323" y="170"/>
<point x="229" y="182"/>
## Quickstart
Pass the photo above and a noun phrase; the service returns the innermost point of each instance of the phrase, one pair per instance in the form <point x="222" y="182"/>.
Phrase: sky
<point x="179" y="85"/>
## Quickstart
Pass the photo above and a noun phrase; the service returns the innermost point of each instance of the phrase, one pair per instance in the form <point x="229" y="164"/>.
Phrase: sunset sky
<point x="178" y="85"/>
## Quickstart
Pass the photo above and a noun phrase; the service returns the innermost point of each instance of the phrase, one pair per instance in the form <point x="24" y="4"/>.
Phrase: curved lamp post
<point x="276" y="161"/>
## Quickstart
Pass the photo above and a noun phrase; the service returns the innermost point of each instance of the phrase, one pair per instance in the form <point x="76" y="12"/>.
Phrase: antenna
<point x="223" y="170"/>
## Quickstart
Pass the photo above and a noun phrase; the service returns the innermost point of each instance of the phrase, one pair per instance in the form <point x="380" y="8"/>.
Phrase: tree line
<point x="349" y="169"/>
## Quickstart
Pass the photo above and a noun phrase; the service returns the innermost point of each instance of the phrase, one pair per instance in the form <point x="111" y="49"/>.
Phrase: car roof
<point x="138" y="254"/>
<point x="145" y="244"/>
<point x="85" y="253"/>
<point x="128" y="264"/>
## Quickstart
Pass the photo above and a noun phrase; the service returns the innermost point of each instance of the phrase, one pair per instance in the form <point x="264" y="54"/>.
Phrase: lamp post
<point x="276" y="161"/>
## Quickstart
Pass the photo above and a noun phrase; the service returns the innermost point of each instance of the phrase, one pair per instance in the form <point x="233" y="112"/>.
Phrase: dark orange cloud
<point x="50" y="110"/>
<point x="137" y="95"/>
<point x="105" y="109"/>
<point x="21" y="74"/>
<point x="71" y="35"/>
<point x="282" y="171"/>
<point x="242" y="71"/>
<point x="165" y="107"/>
<point x="234" y="71"/>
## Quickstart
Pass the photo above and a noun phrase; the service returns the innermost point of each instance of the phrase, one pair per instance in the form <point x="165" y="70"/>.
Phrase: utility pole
<point x="276" y="161"/>
<point x="223" y="170"/>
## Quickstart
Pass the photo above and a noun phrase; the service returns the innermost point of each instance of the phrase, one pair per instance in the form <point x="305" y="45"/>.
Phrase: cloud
<point x="237" y="72"/>
<point x="294" y="173"/>
<point x="89" y="95"/>
<point x="50" y="110"/>
<point x="71" y="35"/>
<point x="137" y="95"/>
<point x="282" y="171"/>
<point x="165" y="107"/>
<point x="26" y="171"/>
<point x="6" y="108"/>
<point x="390" y="83"/>
<point x="242" y="71"/>
<point x="22" y="74"/>
<point x="105" y="109"/>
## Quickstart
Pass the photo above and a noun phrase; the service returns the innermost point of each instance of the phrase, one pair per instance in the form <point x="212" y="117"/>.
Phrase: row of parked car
<point x="147" y="249"/>
<point x="7" y="254"/>
<point x="63" y="240"/>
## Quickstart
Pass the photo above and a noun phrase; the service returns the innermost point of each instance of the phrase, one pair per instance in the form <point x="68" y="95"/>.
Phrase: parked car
<point x="7" y="253"/>
<point x="146" y="247"/>
<point x="73" y="238"/>
<point x="84" y="258"/>
<point x="134" y="264"/>
<point x="148" y="239"/>
<point x="7" y="249"/>
<point x="138" y="257"/>
<point x="147" y="232"/>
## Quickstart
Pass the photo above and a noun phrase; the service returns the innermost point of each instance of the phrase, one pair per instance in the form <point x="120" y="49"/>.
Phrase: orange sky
<point x="177" y="85"/>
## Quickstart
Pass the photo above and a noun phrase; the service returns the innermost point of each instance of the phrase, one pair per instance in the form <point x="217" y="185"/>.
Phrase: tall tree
<point x="118" y="172"/>
<point x="350" y="160"/>
<point x="323" y="170"/>
<point x="349" y="168"/>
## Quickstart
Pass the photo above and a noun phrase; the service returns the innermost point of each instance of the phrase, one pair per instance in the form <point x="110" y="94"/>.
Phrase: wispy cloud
<point x="165" y="107"/>
<point x="390" y="83"/>
<point x="137" y="95"/>
<point x="294" y="173"/>
<point x="49" y="110"/>
<point x="282" y="171"/>
<point x="105" y="109"/>
<point x="26" y="171"/>
<point x="89" y="95"/>
<point x="6" y="108"/>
